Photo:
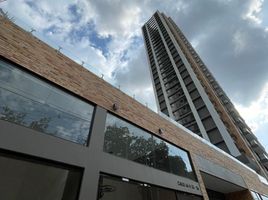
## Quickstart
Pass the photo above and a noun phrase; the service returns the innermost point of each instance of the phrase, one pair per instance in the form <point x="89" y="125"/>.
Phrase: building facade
<point x="66" y="134"/>
<point x="187" y="92"/>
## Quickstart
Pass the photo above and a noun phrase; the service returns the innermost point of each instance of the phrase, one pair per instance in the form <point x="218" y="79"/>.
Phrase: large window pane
<point x="113" y="188"/>
<point x="33" y="103"/>
<point x="171" y="159"/>
<point x="161" y="155"/>
<point x="28" y="180"/>
<point x="128" y="141"/>
<point x="179" y="162"/>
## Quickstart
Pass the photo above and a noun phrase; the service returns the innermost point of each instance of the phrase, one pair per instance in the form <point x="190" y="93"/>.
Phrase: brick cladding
<point x="32" y="54"/>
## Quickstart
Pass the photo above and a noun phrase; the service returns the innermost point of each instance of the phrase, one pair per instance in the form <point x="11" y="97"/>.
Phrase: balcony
<point x="248" y="161"/>
<point x="249" y="136"/>
<point x="239" y="120"/>
<point x="246" y="130"/>
<point x="264" y="158"/>
<point x="225" y="101"/>
<point x="254" y="144"/>
<point x="257" y="147"/>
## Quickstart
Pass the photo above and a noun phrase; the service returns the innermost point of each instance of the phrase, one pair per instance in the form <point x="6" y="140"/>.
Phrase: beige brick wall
<point x="27" y="51"/>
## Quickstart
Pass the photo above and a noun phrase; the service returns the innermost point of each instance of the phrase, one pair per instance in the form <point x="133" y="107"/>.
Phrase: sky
<point x="231" y="37"/>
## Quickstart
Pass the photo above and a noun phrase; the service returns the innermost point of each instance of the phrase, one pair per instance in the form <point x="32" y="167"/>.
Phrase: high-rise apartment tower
<point x="187" y="92"/>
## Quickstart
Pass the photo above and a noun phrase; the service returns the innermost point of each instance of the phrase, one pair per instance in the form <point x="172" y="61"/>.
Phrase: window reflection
<point x="161" y="155"/>
<point x="30" y="102"/>
<point x="127" y="141"/>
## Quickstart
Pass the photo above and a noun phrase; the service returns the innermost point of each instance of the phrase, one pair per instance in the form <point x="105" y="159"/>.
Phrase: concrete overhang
<point x="219" y="178"/>
<point x="217" y="184"/>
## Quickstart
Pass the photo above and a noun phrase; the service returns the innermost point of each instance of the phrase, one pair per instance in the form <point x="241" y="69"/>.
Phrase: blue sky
<point x="231" y="37"/>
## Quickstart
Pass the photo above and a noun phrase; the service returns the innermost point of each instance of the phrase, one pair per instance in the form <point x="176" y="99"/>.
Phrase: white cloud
<point x="239" y="41"/>
<point x="256" y="114"/>
<point x="254" y="9"/>
<point x="120" y="19"/>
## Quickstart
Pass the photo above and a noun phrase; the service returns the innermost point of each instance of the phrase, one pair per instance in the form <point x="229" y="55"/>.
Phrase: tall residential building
<point x="187" y="92"/>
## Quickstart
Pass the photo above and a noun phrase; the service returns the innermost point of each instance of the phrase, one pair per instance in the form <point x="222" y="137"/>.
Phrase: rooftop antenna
<point x="32" y="30"/>
<point x="60" y="48"/>
<point x="5" y="15"/>
<point x="2" y="13"/>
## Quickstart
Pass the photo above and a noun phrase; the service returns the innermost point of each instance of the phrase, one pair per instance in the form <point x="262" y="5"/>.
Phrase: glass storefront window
<point x="179" y="161"/>
<point x="33" y="103"/>
<point x="31" y="180"/>
<point x="114" y="188"/>
<point x="128" y="141"/>
<point x="161" y="155"/>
